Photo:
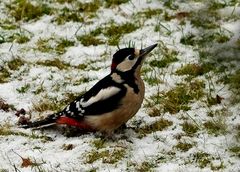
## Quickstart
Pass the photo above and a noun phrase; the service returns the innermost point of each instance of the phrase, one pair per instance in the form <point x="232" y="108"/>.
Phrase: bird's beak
<point x="147" y="50"/>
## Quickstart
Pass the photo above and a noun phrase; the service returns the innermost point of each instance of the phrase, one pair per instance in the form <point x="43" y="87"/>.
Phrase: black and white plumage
<point x="111" y="102"/>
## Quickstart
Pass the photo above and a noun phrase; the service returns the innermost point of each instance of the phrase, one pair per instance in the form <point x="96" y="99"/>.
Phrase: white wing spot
<point x="67" y="109"/>
<point x="102" y="95"/>
<point x="78" y="106"/>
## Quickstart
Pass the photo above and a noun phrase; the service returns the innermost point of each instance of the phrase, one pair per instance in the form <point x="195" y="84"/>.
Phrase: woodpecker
<point x="111" y="102"/>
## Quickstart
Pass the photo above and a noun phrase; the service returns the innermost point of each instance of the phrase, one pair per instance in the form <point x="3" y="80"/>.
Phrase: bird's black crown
<point x="121" y="54"/>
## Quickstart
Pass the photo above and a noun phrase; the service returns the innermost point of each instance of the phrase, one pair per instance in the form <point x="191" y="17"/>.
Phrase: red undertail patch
<point x="73" y="122"/>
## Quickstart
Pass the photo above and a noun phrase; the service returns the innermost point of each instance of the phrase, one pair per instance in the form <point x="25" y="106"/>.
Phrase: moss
<point x="43" y="45"/>
<point x="115" y="32"/>
<point x="216" y="127"/>
<point x="5" y="130"/>
<point x="238" y="132"/>
<point x="4" y="75"/>
<point x="89" y="6"/>
<point x="8" y="25"/>
<point x="20" y="38"/>
<point x="205" y="39"/>
<point x="64" y="1"/>
<point x="203" y="159"/>
<point x="83" y="79"/>
<point x="115" y="156"/>
<point x="62" y="44"/>
<point x="149" y="13"/>
<point x="200" y="19"/>
<point x="156" y="126"/>
<point x="184" y="146"/>
<point x="145" y="166"/>
<point x="194" y="69"/>
<point x="15" y="63"/>
<point x="163" y="62"/>
<point x="204" y="23"/>
<point x="46" y="105"/>
<point x="99" y="143"/>
<point x="152" y="80"/>
<point x="214" y="5"/>
<point x="188" y="39"/>
<point x="168" y="56"/>
<point x="178" y="98"/>
<point x="54" y="63"/>
<point x="170" y="4"/>
<point x="25" y="10"/>
<point x="189" y="128"/>
<point x="89" y="39"/>
<point x="112" y="31"/>
<point x="110" y="157"/>
<point x="234" y="81"/>
<point x="109" y="3"/>
<point x="235" y="150"/>
<point x="67" y="15"/>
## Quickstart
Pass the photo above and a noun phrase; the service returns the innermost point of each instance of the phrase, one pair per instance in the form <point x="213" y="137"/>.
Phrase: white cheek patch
<point x="102" y="95"/>
<point x="126" y="65"/>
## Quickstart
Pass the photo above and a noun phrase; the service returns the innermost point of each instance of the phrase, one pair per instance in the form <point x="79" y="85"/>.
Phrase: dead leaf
<point x="182" y="15"/>
<point x="26" y="162"/>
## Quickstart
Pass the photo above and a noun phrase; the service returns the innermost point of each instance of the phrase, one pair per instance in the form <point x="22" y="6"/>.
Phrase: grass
<point x="4" y="75"/>
<point x="168" y="56"/>
<point x="189" y="128"/>
<point x="115" y="32"/>
<point x="159" y="125"/>
<point x="80" y="13"/>
<point x="62" y="44"/>
<point x="111" y="31"/>
<point x="106" y="156"/>
<point x="89" y="6"/>
<point x="234" y="82"/>
<point x="23" y="89"/>
<point x="67" y="15"/>
<point x="184" y="147"/>
<point x="54" y="63"/>
<point x="46" y="105"/>
<point x="110" y="3"/>
<point x="235" y="150"/>
<point x="8" y="25"/>
<point x="203" y="159"/>
<point x="194" y="69"/>
<point x="99" y="143"/>
<point x="9" y="67"/>
<point x="89" y="39"/>
<point x="206" y="39"/>
<point x="43" y="45"/>
<point x="216" y="127"/>
<point x="5" y="130"/>
<point x="177" y="98"/>
<point x="145" y="166"/>
<point x="25" y="10"/>
<point x="149" y="13"/>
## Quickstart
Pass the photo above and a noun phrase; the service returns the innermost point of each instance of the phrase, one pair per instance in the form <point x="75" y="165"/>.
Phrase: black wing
<point x="103" y="97"/>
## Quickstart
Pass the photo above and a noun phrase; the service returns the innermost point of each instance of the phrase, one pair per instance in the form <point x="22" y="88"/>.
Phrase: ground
<point x="52" y="51"/>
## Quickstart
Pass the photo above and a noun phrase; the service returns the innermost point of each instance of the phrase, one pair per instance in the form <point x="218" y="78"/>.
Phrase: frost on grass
<point x="53" y="51"/>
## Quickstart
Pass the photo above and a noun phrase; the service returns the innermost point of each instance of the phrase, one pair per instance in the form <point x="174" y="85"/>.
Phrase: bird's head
<point x="130" y="59"/>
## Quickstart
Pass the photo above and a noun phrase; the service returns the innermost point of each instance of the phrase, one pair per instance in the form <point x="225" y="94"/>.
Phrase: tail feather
<point x="48" y="121"/>
<point x="58" y="119"/>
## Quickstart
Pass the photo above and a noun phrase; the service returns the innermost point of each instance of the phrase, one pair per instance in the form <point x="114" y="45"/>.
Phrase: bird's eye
<point x="131" y="57"/>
